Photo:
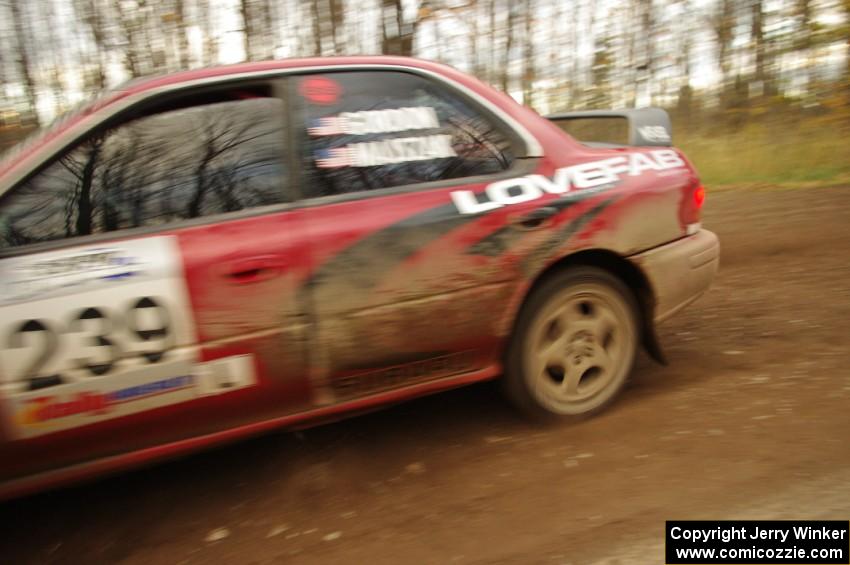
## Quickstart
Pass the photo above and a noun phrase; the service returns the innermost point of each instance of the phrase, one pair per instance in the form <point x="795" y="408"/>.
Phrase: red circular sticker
<point x="320" y="90"/>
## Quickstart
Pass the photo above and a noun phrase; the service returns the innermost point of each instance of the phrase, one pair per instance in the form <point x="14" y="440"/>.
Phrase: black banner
<point x="691" y="542"/>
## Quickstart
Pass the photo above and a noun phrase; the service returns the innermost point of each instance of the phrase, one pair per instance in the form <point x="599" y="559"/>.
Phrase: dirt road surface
<point x="751" y="419"/>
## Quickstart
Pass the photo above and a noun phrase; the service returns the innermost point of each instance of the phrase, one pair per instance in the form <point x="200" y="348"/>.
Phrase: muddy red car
<point x="207" y="255"/>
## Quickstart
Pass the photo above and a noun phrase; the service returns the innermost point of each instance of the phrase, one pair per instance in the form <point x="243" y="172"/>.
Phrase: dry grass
<point x="794" y="154"/>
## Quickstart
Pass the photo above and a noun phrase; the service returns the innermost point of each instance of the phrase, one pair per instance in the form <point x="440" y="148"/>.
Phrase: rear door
<point x="406" y="286"/>
<point x="149" y="281"/>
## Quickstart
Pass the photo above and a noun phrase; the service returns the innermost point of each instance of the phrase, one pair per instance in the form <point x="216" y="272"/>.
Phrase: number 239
<point x="147" y="323"/>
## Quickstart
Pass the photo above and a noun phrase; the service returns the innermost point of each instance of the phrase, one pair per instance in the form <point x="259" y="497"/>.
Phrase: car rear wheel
<point x="573" y="346"/>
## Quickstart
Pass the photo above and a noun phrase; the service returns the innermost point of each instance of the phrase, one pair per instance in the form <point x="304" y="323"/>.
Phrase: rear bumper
<point x="679" y="272"/>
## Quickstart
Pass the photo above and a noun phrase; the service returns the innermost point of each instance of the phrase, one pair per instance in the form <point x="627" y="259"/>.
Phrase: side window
<point x="366" y="130"/>
<point x="194" y="159"/>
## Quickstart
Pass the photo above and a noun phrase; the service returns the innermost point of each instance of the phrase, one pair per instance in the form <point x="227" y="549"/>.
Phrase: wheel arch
<point x="623" y="269"/>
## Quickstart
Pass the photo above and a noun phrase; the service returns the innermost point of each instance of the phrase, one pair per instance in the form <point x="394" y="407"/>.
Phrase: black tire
<point x="573" y="345"/>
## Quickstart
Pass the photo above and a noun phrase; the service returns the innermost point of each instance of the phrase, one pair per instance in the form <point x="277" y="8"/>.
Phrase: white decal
<point x="595" y="174"/>
<point x="94" y="333"/>
<point x="225" y="375"/>
<point x="375" y="121"/>
<point x="72" y="314"/>
<point x="655" y="134"/>
<point x="386" y="152"/>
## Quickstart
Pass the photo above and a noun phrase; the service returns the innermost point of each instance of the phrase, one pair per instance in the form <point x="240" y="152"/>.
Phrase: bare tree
<point x="510" y="32"/>
<point x="93" y="18"/>
<point x="845" y="5"/>
<point x="529" y="75"/>
<point x="397" y="33"/>
<point x="763" y="66"/>
<point x="220" y="135"/>
<point x="21" y="35"/>
<point x="646" y="65"/>
<point x="723" y="26"/>
<point x="256" y="30"/>
<point x="182" y="33"/>
<point x="317" y="27"/>
<point x="684" y="104"/>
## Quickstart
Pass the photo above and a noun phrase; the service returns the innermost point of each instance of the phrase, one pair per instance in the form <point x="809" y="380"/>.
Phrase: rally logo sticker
<point x="320" y="90"/>
<point x="592" y="175"/>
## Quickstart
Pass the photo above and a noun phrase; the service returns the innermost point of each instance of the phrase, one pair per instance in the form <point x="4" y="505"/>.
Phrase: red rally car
<point x="202" y="256"/>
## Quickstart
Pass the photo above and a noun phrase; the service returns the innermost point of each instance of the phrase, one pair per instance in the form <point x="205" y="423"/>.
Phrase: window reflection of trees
<point x="168" y="167"/>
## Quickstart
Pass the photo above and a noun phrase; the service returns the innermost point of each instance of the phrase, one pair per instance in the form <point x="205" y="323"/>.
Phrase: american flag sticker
<point x="331" y="125"/>
<point x="335" y="158"/>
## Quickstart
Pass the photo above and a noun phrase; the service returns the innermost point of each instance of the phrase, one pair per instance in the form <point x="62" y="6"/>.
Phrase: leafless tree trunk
<point x="182" y="34"/>
<point x="248" y="31"/>
<point x="646" y="60"/>
<point x="759" y="47"/>
<point x="93" y="18"/>
<point x="723" y="24"/>
<point x="20" y="35"/>
<point x="337" y="18"/>
<point x="130" y="26"/>
<point x="803" y="43"/>
<point x="85" y="208"/>
<point x="493" y="50"/>
<point x="529" y="66"/>
<point x="317" y="28"/>
<point x="513" y="22"/>
<point x="684" y="104"/>
<point x="397" y="34"/>
<point x="846" y="78"/>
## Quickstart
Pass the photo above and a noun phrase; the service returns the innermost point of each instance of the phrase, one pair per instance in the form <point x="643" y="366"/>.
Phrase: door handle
<point x="253" y="269"/>
<point x="534" y="219"/>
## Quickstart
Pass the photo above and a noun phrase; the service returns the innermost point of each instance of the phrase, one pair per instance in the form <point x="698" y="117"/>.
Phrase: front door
<point x="150" y="280"/>
<point x="406" y="286"/>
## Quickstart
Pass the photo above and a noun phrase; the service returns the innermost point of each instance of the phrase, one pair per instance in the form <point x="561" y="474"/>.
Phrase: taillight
<point x="690" y="206"/>
<point x="699" y="196"/>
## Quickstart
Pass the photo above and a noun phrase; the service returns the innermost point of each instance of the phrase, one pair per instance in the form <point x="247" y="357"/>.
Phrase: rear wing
<point x="647" y="126"/>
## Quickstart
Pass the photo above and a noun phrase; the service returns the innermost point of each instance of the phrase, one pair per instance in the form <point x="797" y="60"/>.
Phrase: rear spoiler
<point x="647" y="126"/>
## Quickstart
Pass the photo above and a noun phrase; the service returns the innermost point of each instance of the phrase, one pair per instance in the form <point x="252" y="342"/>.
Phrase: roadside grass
<point x="798" y="155"/>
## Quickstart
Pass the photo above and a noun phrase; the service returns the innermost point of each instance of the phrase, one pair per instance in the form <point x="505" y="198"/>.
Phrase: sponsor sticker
<point x="655" y="134"/>
<point x="72" y="405"/>
<point x="68" y="406"/>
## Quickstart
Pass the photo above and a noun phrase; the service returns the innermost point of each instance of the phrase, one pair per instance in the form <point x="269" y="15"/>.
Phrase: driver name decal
<point x="386" y="152"/>
<point x="375" y="121"/>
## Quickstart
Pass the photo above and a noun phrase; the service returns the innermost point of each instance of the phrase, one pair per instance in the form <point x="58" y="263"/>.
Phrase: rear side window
<point x="368" y="130"/>
<point x="179" y="164"/>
